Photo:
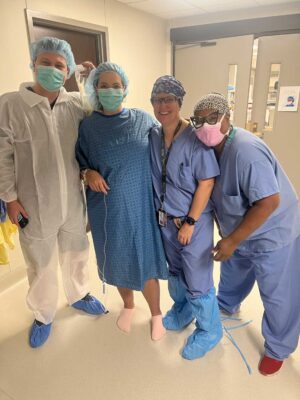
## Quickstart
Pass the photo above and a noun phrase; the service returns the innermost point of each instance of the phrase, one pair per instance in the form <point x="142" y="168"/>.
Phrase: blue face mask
<point x="110" y="99"/>
<point x="50" y="78"/>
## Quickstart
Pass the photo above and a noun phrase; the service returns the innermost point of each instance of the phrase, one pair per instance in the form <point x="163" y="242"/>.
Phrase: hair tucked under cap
<point x="213" y="101"/>
<point x="53" y="45"/>
<point x="92" y="81"/>
<point x="168" y="84"/>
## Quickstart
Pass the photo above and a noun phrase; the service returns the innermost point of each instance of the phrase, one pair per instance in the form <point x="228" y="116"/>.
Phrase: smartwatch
<point x="190" y="220"/>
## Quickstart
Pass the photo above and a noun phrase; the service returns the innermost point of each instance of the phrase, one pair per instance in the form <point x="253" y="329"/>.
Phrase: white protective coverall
<point x="39" y="169"/>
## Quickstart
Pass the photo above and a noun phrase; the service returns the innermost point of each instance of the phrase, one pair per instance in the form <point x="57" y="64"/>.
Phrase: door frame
<point x="39" y="18"/>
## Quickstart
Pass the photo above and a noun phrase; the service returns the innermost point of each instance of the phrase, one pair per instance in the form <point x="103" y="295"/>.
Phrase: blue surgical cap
<point x="53" y="45"/>
<point x="92" y="81"/>
<point x="168" y="84"/>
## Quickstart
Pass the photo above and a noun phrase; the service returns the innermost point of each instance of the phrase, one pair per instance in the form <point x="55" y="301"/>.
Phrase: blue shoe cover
<point x="178" y="317"/>
<point x="180" y="314"/>
<point x="208" y="330"/>
<point x="200" y="342"/>
<point x="39" y="334"/>
<point x="90" y="305"/>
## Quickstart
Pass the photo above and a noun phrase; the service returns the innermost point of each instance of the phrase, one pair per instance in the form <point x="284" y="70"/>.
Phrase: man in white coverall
<point x="39" y="180"/>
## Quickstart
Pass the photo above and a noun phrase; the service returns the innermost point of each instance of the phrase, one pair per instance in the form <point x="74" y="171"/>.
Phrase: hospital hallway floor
<point x="89" y="358"/>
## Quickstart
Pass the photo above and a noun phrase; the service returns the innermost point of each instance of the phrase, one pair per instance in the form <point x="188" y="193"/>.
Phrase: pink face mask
<point x="210" y="135"/>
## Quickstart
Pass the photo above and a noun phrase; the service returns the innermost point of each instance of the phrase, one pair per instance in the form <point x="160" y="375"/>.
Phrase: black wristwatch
<point x="190" y="220"/>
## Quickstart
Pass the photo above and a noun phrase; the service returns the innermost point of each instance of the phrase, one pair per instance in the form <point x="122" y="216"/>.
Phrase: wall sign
<point x="288" y="98"/>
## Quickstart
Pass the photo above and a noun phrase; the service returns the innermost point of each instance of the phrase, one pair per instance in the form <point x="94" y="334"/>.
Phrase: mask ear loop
<point x="124" y="94"/>
<point x="222" y="118"/>
<point x="230" y="126"/>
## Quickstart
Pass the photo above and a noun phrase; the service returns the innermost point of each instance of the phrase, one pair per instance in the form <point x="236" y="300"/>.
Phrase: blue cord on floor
<point x="231" y="338"/>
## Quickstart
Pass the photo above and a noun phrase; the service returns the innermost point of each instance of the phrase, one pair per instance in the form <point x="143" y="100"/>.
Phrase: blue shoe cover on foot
<point x="180" y="314"/>
<point x="90" y="305"/>
<point x="39" y="334"/>
<point x="178" y="317"/>
<point x="208" y="330"/>
<point x="199" y="343"/>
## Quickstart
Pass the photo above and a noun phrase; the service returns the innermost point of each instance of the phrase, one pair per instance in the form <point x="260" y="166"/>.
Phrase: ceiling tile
<point x="181" y="13"/>
<point x="129" y="2"/>
<point x="273" y="2"/>
<point x="211" y="6"/>
<point x="158" y="6"/>
<point x="169" y="9"/>
<point x="204" y="3"/>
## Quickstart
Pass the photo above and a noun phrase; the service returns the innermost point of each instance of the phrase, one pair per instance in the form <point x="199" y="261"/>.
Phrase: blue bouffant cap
<point x="92" y="81"/>
<point x="53" y="45"/>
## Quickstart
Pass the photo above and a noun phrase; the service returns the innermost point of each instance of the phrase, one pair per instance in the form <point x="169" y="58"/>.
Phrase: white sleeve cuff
<point x="9" y="196"/>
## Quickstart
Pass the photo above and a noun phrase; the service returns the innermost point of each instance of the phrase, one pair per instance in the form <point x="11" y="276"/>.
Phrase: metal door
<point x="205" y="67"/>
<point x="278" y="54"/>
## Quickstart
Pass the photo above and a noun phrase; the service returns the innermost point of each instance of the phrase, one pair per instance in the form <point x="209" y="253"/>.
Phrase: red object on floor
<point x="269" y="366"/>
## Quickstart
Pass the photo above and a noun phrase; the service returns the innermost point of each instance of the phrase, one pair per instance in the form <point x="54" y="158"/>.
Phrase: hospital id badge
<point x="162" y="218"/>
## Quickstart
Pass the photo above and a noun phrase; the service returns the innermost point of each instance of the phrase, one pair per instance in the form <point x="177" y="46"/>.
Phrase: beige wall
<point x="138" y="41"/>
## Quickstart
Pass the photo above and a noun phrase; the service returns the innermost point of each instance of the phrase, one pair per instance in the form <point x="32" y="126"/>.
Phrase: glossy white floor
<point x="89" y="358"/>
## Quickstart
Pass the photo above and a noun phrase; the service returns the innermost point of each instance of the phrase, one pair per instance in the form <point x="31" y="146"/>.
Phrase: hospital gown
<point x="117" y="147"/>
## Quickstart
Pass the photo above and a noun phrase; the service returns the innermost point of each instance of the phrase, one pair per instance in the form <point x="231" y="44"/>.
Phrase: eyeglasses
<point x="166" y="100"/>
<point x="211" y="119"/>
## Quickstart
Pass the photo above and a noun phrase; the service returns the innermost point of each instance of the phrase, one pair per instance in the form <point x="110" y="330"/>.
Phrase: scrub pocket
<point x="233" y="205"/>
<point x="185" y="179"/>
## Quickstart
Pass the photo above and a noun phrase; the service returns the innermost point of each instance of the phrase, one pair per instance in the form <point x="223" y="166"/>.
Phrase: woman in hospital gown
<point x="113" y="153"/>
<point x="259" y="221"/>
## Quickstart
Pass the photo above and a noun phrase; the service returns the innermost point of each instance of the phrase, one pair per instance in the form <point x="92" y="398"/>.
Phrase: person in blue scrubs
<point x="183" y="173"/>
<point x="258" y="216"/>
<point x="114" y="157"/>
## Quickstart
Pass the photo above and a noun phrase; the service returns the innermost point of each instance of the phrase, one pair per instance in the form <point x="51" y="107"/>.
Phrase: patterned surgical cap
<point x="168" y="84"/>
<point x="213" y="101"/>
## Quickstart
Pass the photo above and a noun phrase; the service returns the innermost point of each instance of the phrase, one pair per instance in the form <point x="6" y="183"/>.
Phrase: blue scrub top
<point x="189" y="161"/>
<point x="250" y="172"/>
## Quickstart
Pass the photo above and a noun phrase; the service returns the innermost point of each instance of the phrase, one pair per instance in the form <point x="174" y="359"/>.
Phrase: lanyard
<point x="164" y="155"/>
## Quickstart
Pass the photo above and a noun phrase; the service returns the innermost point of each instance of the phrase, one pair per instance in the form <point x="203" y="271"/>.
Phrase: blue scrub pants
<point x="193" y="263"/>
<point x="278" y="277"/>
